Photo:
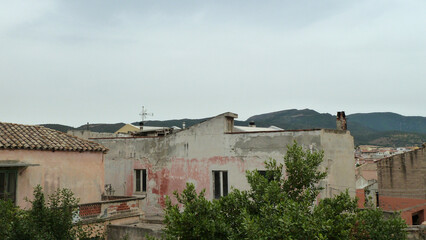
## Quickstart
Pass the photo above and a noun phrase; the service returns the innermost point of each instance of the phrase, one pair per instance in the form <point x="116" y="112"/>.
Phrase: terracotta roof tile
<point x="18" y="136"/>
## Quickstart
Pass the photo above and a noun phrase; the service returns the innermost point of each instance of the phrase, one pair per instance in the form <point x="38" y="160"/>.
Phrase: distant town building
<point x="402" y="184"/>
<point x="366" y="184"/>
<point x="128" y="128"/>
<point x="371" y="153"/>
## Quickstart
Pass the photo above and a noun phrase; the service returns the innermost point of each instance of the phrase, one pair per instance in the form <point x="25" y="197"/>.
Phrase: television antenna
<point x="145" y="113"/>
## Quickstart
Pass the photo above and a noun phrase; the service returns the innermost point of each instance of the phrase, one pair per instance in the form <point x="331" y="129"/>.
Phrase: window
<point x="377" y="199"/>
<point x="8" y="185"/>
<point x="220" y="184"/>
<point x="262" y="172"/>
<point x="418" y="217"/>
<point x="140" y="180"/>
<point x="265" y="174"/>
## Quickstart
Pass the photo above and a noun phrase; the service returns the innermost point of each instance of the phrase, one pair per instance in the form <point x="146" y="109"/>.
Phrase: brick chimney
<point x="341" y="121"/>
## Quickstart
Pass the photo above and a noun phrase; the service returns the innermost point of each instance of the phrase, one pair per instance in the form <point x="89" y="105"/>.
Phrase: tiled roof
<point x="18" y="136"/>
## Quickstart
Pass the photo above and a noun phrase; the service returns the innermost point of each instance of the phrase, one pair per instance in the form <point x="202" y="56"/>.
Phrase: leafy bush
<point x="49" y="219"/>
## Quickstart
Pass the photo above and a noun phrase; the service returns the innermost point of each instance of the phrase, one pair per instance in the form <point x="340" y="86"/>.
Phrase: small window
<point x="8" y="185"/>
<point x="418" y="217"/>
<point x="220" y="184"/>
<point x="140" y="180"/>
<point x="262" y="172"/>
<point x="265" y="174"/>
<point x="377" y="199"/>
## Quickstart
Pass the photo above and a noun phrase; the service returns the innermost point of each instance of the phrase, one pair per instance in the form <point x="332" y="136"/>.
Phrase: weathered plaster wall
<point x="83" y="173"/>
<point x="367" y="171"/>
<point x="116" y="231"/>
<point x="402" y="183"/>
<point x="338" y="149"/>
<point x="87" y="134"/>
<point x="403" y="175"/>
<point x="191" y="156"/>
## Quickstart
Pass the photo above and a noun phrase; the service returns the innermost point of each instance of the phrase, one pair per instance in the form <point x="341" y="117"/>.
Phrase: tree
<point x="48" y="219"/>
<point x="7" y="217"/>
<point x="199" y="219"/>
<point x="278" y="206"/>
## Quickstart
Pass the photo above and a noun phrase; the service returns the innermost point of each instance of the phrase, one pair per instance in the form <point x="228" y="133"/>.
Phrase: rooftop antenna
<point x="145" y="113"/>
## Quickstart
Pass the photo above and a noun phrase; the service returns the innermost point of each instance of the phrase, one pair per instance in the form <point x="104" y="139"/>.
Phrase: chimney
<point x="341" y="121"/>
<point x="141" y="126"/>
<point x="252" y="124"/>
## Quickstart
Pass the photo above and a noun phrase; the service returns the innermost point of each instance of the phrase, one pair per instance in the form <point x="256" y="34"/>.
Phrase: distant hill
<point x="97" y="127"/>
<point x="387" y="121"/>
<point x="102" y="127"/>
<point x="390" y="138"/>
<point x="295" y="119"/>
<point x="385" y="129"/>
<point x="58" y="127"/>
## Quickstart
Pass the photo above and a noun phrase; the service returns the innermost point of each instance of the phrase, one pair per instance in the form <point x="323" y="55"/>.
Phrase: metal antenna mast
<point x="145" y="113"/>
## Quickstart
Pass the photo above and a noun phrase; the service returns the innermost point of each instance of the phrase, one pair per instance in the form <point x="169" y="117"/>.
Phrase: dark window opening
<point x="140" y="180"/>
<point x="216" y="184"/>
<point x="377" y="199"/>
<point x="220" y="184"/>
<point x="144" y="180"/>
<point x="8" y="185"/>
<point x="225" y="183"/>
<point x="418" y="217"/>
<point x="265" y="174"/>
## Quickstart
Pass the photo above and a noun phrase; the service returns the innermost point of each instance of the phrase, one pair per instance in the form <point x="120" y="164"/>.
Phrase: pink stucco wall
<point x="163" y="182"/>
<point x="83" y="173"/>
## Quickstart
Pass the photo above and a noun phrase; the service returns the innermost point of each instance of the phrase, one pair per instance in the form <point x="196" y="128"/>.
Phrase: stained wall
<point x="402" y="183"/>
<point x="83" y="173"/>
<point x="191" y="156"/>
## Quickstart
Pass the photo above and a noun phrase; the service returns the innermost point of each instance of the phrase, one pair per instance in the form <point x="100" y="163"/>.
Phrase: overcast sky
<point x="72" y="62"/>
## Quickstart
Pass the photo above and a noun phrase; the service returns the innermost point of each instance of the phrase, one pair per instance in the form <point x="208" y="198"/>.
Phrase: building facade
<point x="402" y="184"/>
<point x="35" y="155"/>
<point x="215" y="157"/>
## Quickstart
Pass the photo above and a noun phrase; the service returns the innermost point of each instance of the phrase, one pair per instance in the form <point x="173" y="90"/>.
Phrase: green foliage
<point x="278" y="207"/>
<point x="7" y="218"/>
<point x="371" y="224"/>
<point x="301" y="183"/>
<point x="199" y="219"/>
<point x="49" y="219"/>
<point x="335" y="217"/>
